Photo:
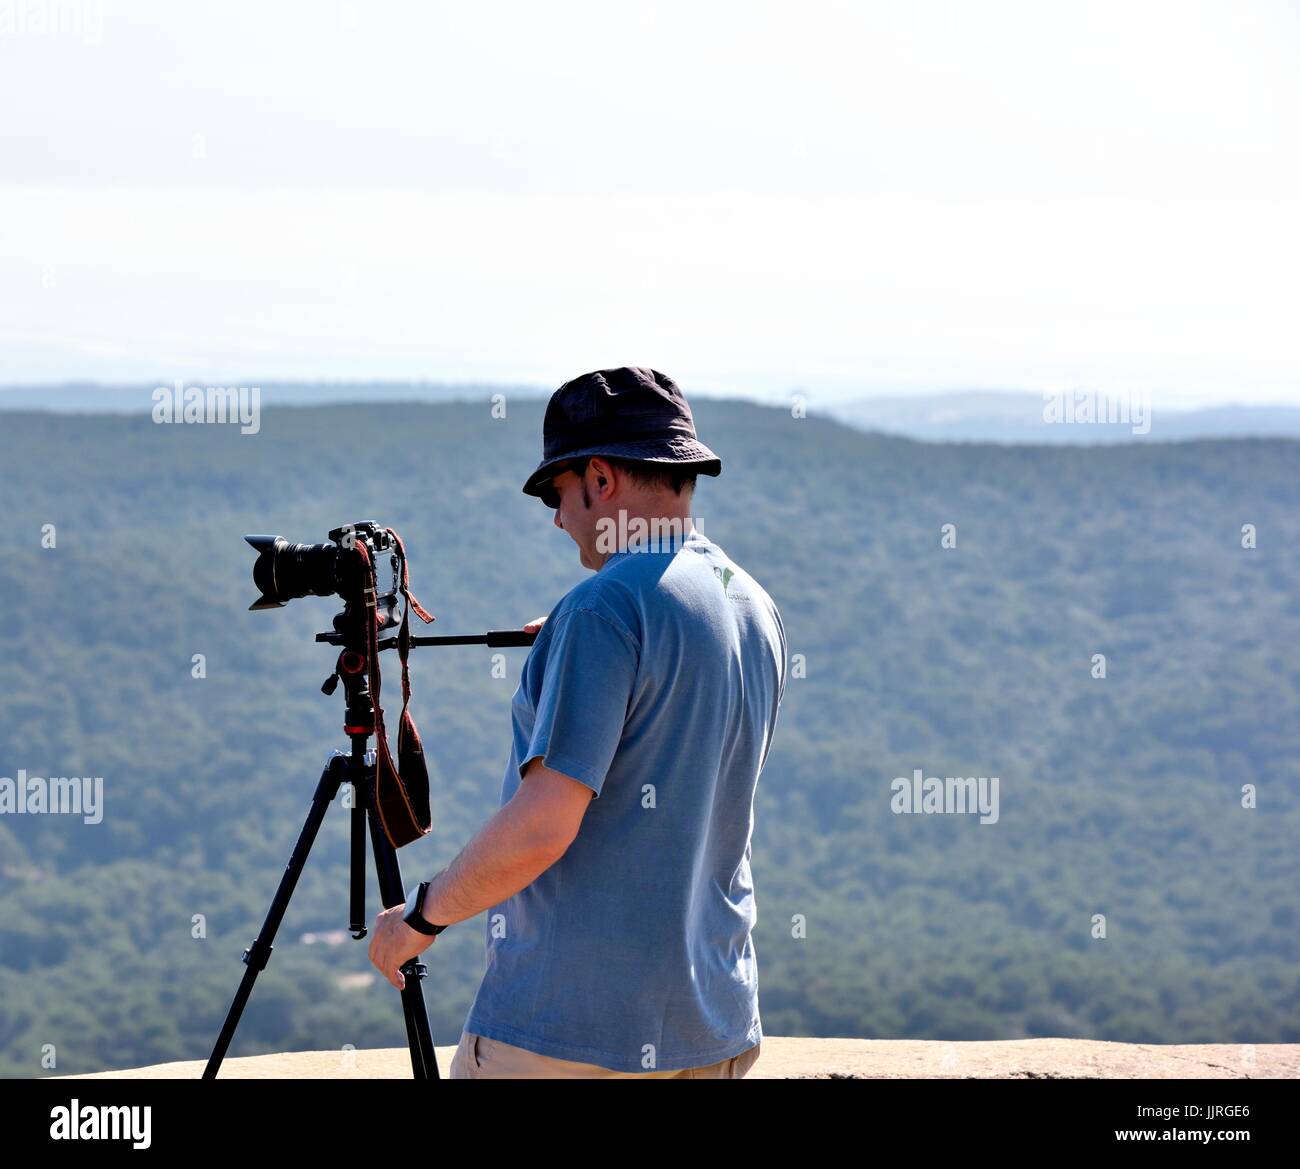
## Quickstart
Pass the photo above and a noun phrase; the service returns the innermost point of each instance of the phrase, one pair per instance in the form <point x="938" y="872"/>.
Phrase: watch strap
<point x="415" y="918"/>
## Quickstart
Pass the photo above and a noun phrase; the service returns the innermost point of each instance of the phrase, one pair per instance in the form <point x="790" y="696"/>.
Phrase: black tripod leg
<point x="259" y="953"/>
<point x="358" y="913"/>
<point x="424" y="1063"/>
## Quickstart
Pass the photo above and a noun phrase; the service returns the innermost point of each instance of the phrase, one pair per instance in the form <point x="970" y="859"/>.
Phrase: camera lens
<point x="284" y="571"/>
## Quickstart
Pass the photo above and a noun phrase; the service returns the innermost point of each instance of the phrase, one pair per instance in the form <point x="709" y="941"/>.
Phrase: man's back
<point x="656" y="683"/>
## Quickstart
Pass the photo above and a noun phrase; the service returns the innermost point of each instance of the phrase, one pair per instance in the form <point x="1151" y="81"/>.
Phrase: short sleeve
<point x="585" y="689"/>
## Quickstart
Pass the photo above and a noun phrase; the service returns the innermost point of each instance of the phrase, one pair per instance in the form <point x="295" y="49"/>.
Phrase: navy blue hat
<point x="627" y="413"/>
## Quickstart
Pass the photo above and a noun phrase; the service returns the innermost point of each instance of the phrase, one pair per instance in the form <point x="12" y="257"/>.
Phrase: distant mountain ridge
<point x="992" y="416"/>
<point x="961" y="416"/>
<point x="92" y="397"/>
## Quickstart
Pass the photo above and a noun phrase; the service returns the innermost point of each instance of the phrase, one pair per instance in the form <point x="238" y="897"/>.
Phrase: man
<point x="617" y="871"/>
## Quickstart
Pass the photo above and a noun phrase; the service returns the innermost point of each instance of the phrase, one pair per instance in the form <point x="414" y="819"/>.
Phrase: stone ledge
<point x="824" y="1059"/>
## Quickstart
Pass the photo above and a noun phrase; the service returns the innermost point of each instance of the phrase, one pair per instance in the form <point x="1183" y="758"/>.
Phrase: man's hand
<point x="393" y="943"/>
<point x="534" y="625"/>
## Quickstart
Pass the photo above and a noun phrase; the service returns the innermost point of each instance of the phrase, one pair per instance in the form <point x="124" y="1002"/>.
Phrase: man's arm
<point x="521" y="841"/>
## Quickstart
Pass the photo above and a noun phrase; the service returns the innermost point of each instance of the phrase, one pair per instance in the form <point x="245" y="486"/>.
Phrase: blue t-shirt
<point x="656" y="683"/>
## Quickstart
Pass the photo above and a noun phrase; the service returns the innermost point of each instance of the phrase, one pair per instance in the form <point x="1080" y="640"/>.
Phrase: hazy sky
<point x="843" y="198"/>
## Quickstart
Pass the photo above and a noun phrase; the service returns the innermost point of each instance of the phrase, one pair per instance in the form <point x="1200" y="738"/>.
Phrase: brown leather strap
<point x="401" y="789"/>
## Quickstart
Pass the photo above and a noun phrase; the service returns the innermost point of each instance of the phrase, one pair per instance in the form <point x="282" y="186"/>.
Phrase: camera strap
<point x="401" y="789"/>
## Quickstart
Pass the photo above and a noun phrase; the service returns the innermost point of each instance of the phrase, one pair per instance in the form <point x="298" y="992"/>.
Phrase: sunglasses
<point x="548" y="494"/>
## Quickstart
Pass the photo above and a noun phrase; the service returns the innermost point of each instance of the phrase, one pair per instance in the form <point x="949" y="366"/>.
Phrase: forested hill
<point x="1119" y="796"/>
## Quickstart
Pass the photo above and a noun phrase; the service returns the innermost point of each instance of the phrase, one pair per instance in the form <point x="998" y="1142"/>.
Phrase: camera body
<point x="285" y="571"/>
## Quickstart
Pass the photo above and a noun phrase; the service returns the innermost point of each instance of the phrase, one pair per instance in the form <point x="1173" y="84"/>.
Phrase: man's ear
<point x="604" y="472"/>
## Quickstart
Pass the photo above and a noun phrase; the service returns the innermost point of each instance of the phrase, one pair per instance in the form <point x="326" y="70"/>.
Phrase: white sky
<point x="844" y="198"/>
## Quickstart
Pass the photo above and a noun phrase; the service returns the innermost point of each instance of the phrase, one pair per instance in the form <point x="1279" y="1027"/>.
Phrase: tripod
<point x="359" y="770"/>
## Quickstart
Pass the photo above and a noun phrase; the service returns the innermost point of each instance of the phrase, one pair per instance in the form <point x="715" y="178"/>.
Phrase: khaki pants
<point x="480" y="1058"/>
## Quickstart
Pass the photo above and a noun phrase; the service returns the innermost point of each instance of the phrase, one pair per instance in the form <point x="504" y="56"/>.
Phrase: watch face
<point x="412" y="901"/>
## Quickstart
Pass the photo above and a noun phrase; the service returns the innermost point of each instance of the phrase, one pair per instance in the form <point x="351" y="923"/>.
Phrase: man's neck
<point x="657" y="522"/>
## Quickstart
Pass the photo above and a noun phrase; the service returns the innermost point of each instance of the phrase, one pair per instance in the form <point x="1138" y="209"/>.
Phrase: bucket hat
<point x="631" y="413"/>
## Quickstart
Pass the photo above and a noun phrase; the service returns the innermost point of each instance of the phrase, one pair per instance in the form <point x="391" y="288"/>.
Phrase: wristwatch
<point x="414" y="916"/>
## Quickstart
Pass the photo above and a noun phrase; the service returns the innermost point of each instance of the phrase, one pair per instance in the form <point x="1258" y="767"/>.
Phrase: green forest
<point x="1123" y="798"/>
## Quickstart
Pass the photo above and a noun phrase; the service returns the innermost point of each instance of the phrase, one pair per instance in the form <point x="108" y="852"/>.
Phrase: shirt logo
<point x="725" y="575"/>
